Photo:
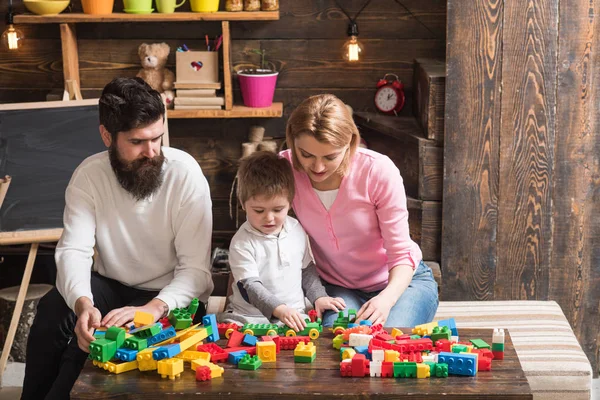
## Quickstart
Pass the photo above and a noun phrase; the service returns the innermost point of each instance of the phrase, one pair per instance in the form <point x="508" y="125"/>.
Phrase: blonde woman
<point x="352" y="204"/>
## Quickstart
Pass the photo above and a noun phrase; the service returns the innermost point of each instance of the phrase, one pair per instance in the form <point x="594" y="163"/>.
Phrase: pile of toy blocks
<point x="432" y="350"/>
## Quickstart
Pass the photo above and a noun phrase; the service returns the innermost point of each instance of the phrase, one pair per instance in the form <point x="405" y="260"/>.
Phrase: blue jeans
<point x="416" y="306"/>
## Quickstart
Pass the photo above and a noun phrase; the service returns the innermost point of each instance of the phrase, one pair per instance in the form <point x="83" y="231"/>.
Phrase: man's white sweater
<point x="160" y="243"/>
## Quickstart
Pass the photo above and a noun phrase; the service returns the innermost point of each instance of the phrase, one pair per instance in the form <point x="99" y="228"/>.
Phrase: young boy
<point x="269" y="255"/>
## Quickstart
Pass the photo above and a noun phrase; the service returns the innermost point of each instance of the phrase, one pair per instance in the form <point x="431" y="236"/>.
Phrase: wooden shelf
<point x="275" y="111"/>
<point x="153" y="17"/>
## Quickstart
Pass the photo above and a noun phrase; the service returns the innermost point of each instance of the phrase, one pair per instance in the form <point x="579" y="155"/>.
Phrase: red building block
<point x="235" y="340"/>
<point x="346" y="368"/>
<point x="408" y="346"/>
<point x="443" y="345"/>
<point x="249" y="349"/>
<point x="223" y="327"/>
<point x="277" y="346"/>
<point x="387" y="369"/>
<point x="484" y="363"/>
<point x="484" y="353"/>
<point x="216" y="353"/>
<point x="290" y="342"/>
<point x="360" y="366"/>
<point x="202" y="373"/>
<point x="165" y="322"/>
<point x="498" y="355"/>
<point x="383" y="336"/>
<point x="312" y="314"/>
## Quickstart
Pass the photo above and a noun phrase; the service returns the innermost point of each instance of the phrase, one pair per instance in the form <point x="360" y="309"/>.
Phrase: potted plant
<point x="257" y="82"/>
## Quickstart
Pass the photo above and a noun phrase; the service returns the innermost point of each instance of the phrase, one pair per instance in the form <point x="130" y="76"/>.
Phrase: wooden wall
<point x="305" y="45"/>
<point x="521" y="203"/>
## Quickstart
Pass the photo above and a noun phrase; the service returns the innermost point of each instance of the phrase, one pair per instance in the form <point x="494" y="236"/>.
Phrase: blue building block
<point x="162" y="335"/>
<point x="450" y="323"/>
<point x="166" y="351"/>
<point x="125" y="354"/>
<point x="352" y="325"/>
<point x="249" y="340"/>
<point x="211" y="320"/>
<point x="366" y="322"/>
<point x="235" y="356"/>
<point x="363" y="350"/>
<point x="459" y="364"/>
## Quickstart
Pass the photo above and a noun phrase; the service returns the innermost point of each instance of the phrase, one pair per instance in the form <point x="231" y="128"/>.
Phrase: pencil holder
<point x="197" y="66"/>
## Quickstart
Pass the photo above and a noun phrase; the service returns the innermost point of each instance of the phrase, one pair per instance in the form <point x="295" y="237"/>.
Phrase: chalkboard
<point x="41" y="144"/>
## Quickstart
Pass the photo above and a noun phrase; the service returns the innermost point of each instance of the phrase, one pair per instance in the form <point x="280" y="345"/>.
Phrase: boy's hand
<point x="88" y="319"/>
<point x="329" y="303"/>
<point x="290" y="317"/>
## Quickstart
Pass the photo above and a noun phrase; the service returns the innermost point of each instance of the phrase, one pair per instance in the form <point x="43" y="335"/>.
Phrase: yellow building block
<point x="266" y="351"/>
<point x="305" y="349"/>
<point x="348" y="354"/>
<point x="391" y="355"/>
<point x="424" y="329"/>
<point x="192" y="338"/>
<point x="396" y="332"/>
<point x="199" y="362"/>
<point x="141" y="318"/>
<point x="215" y="370"/>
<point x="423" y="371"/>
<point x="145" y="360"/>
<point x="170" y="367"/>
<point x="191" y="355"/>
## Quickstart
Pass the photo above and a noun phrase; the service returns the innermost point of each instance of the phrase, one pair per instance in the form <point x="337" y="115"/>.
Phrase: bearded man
<point x="147" y="210"/>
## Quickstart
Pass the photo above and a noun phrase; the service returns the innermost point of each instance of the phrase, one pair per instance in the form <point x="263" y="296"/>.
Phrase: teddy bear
<point x="154" y="58"/>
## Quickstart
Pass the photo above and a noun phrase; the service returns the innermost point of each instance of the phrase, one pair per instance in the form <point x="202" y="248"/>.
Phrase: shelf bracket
<point x="68" y="39"/>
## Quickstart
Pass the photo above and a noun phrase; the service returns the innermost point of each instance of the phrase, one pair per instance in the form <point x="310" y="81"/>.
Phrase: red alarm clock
<point x="389" y="97"/>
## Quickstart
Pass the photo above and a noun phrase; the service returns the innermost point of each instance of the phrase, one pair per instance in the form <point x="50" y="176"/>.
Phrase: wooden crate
<point x="425" y="224"/>
<point x="429" y="96"/>
<point x="420" y="160"/>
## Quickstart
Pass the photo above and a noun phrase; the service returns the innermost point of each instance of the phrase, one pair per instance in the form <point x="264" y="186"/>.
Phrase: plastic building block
<point x="99" y="334"/>
<point x="145" y="360"/>
<point x="360" y="366"/>
<point x="450" y="323"/>
<point x="365" y="322"/>
<point x="266" y="351"/>
<point x="338" y="341"/>
<point x="170" y="367"/>
<point x="312" y="315"/>
<point x="203" y="373"/>
<point x="248" y="349"/>
<point x="424" y="329"/>
<point x="460" y="364"/>
<point x="480" y="344"/>
<point x="215" y="370"/>
<point x="192" y="338"/>
<point x="115" y="334"/>
<point x="135" y="343"/>
<point x="117" y="368"/>
<point x="235" y="339"/>
<point x="439" y="333"/>
<point x="249" y="340"/>
<point x="235" y="356"/>
<point x="484" y="363"/>
<point x="346" y="368"/>
<point x="342" y="322"/>
<point x="167" y="351"/>
<point x="498" y="336"/>
<point x="443" y="345"/>
<point x="405" y="346"/>
<point x="386" y="337"/>
<point x="305" y="352"/>
<point x="498" y="355"/>
<point x="249" y="362"/>
<point x="375" y="368"/>
<point x="102" y="350"/>
<point x="276" y="340"/>
<point x="378" y="355"/>
<point x="497" y="346"/>
<point x="347" y="353"/>
<point x="440" y="370"/>
<point x="225" y="329"/>
<point x="423" y="371"/>
<point x="211" y="320"/>
<point x="358" y="339"/>
<point x="162" y="336"/>
<point x="125" y="354"/>
<point x="387" y="369"/>
<point x="165" y="322"/>
<point x="405" y="369"/>
<point x="261" y="329"/>
<point x="141" y="318"/>
<point x="147" y="331"/>
<point x="191" y="355"/>
<point x="459" y="348"/>
<point x="290" y="343"/>
<point x="180" y="318"/>
<point x="396" y="332"/>
<point x="356" y="329"/>
<point x="216" y="353"/>
<point x="193" y="307"/>
<point x="391" y="356"/>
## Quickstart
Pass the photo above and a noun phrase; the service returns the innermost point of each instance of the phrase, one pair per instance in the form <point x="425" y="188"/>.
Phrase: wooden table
<point x="321" y="379"/>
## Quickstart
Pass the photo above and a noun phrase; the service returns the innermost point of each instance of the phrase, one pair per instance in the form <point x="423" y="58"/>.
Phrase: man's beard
<point x="140" y="178"/>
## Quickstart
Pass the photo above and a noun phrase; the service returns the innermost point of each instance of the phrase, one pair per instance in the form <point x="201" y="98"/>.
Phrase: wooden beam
<point x="68" y="39"/>
<point x="227" y="65"/>
<point x="155" y="17"/>
<point x="23" y="237"/>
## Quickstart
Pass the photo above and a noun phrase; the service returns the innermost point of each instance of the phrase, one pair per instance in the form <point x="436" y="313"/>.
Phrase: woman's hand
<point x="329" y="303"/>
<point x="377" y="309"/>
<point x="290" y="317"/>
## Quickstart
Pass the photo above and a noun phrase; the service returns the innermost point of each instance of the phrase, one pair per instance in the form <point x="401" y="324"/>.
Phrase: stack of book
<point x="193" y="96"/>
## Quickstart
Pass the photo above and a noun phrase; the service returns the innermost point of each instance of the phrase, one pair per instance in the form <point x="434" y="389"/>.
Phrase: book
<point x="193" y="85"/>
<point x="196" y="92"/>
<point x="200" y="101"/>
<point x="180" y="107"/>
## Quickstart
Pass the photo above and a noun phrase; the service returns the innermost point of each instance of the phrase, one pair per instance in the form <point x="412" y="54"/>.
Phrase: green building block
<point x="117" y="334"/>
<point x="249" y="362"/>
<point x="459" y="348"/>
<point x="136" y="343"/>
<point x="439" y="333"/>
<point x="304" y="359"/>
<point x="102" y="350"/>
<point x="497" y="346"/>
<point x="338" y="342"/>
<point x="441" y="370"/>
<point x="193" y="307"/>
<point x="480" y="344"/>
<point x="414" y="337"/>
<point x="180" y="319"/>
<point x="405" y="370"/>
<point x="147" y="331"/>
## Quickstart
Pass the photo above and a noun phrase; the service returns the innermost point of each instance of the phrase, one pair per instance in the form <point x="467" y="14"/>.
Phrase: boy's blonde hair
<point x="327" y="119"/>
<point x="263" y="173"/>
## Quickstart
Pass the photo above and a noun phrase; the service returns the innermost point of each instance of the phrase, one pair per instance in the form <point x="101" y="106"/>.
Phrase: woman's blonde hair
<point x="263" y="173"/>
<point x="327" y="119"/>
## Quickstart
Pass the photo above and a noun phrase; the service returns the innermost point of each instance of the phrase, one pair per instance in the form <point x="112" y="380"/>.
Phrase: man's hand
<point x="290" y="317"/>
<point x="329" y="303"/>
<point x="123" y="315"/>
<point x="376" y="310"/>
<point x="88" y="319"/>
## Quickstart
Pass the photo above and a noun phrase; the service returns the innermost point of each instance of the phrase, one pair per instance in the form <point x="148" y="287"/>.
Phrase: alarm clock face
<point x="386" y="99"/>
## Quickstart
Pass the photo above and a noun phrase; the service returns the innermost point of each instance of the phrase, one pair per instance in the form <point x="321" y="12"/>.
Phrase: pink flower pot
<point x="258" y="89"/>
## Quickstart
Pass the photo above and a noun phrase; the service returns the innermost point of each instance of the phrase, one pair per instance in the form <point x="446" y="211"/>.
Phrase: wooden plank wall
<point x="522" y="176"/>
<point x="305" y="45"/>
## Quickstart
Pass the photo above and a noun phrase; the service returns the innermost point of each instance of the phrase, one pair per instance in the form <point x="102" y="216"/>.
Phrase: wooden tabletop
<point x="321" y="379"/>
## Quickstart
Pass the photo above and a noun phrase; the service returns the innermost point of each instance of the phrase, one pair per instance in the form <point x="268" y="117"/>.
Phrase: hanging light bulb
<point x="11" y="36"/>
<point x="352" y="50"/>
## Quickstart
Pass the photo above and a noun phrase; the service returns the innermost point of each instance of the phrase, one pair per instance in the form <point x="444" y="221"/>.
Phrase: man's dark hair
<point x="129" y="103"/>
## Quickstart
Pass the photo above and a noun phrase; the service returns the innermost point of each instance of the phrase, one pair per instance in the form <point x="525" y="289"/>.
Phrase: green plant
<point x="262" y="53"/>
